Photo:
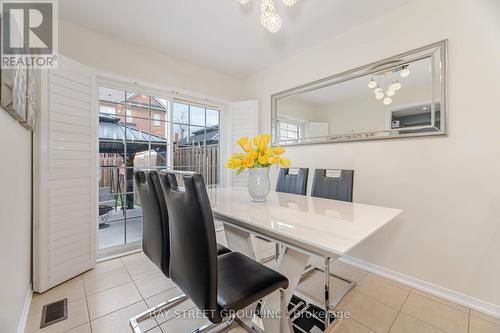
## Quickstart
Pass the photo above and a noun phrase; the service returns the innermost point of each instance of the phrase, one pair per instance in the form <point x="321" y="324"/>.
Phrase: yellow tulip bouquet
<point x="257" y="154"/>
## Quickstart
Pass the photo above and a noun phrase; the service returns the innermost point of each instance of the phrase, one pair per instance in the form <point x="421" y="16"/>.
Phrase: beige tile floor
<point x="102" y="300"/>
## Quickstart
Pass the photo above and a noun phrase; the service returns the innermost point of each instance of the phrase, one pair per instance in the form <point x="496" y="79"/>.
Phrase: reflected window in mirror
<point x="290" y="129"/>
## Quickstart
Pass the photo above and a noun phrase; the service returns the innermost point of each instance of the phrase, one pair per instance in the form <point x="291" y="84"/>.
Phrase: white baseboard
<point x="447" y="294"/>
<point x="26" y="308"/>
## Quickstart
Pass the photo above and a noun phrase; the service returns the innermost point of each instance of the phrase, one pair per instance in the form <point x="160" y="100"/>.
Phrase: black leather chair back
<point x="193" y="246"/>
<point x="336" y="188"/>
<point x="294" y="184"/>
<point x="155" y="229"/>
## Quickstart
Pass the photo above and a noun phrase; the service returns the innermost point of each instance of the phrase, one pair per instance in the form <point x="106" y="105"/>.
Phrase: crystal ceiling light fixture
<point x="378" y="80"/>
<point x="268" y="16"/>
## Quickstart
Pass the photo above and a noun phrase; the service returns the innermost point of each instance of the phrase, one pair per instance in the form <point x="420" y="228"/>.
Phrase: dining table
<point x="304" y="228"/>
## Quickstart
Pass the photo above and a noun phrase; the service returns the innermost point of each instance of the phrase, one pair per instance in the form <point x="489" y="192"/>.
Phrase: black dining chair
<point x="292" y="183"/>
<point x="156" y="236"/>
<point x="337" y="186"/>
<point x="218" y="285"/>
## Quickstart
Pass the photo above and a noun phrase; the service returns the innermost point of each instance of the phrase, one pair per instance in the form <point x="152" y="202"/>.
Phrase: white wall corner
<point x="445" y="293"/>
<point x="26" y="308"/>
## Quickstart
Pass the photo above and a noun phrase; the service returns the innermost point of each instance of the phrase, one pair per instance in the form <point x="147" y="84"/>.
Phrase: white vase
<point x="258" y="184"/>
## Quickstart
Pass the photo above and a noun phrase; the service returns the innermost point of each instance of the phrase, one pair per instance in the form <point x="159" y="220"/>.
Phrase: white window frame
<point x="287" y="122"/>
<point x="109" y="109"/>
<point x="128" y="116"/>
<point x="156" y="119"/>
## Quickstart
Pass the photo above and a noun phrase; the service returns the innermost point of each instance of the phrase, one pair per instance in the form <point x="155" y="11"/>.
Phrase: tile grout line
<point x="143" y="299"/>
<point x="118" y="308"/>
<point x="397" y="315"/>
<point x="468" y="323"/>
<point x="86" y="303"/>
<point x="423" y="321"/>
<point x="108" y="288"/>
<point x="157" y="324"/>
<point x="438" y="300"/>
<point x="390" y="282"/>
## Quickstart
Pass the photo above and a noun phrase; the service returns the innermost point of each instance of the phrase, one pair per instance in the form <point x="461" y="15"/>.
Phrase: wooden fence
<point x="202" y="159"/>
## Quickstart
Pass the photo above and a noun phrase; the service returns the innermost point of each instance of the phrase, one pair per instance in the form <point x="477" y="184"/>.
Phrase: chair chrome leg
<point x="154" y="311"/>
<point x="285" y="318"/>
<point x="350" y="284"/>
<point x="210" y="326"/>
<point x="326" y="277"/>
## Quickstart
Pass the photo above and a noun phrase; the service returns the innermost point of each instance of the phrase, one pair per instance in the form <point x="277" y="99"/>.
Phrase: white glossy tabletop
<point x="320" y="225"/>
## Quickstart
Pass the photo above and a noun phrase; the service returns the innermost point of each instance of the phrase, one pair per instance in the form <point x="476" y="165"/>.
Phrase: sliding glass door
<point x="133" y="133"/>
<point x="138" y="131"/>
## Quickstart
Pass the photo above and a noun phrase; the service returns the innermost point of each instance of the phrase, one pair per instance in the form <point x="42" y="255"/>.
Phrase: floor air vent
<point x="54" y="312"/>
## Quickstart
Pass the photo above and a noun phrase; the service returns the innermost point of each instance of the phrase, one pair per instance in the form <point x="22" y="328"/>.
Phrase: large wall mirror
<point x="397" y="97"/>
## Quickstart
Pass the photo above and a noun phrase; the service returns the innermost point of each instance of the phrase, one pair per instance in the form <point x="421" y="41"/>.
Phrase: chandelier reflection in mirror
<point x="268" y="16"/>
<point x="386" y="84"/>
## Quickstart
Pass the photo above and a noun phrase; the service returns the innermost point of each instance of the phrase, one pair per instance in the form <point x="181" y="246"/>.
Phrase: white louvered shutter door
<point x="244" y="122"/>
<point x="65" y="175"/>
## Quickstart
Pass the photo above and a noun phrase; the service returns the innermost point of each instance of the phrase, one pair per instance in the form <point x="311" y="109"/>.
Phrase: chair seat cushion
<point x="243" y="281"/>
<point x="222" y="250"/>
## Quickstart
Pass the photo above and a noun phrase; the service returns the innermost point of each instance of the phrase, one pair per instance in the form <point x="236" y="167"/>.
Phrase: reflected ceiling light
<point x="388" y="79"/>
<point x="405" y="72"/>
<point x="268" y="16"/>
<point x="267" y="6"/>
<point x="274" y="23"/>
<point x="264" y="18"/>
<point x="372" y="84"/>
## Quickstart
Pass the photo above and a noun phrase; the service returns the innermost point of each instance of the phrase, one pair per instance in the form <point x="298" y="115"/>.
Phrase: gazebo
<point x="125" y="139"/>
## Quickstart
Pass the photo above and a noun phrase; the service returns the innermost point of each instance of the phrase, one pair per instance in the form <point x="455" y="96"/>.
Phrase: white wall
<point x="367" y="113"/>
<point x="448" y="186"/>
<point x="15" y="221"/>
<point x="117" y="57"/>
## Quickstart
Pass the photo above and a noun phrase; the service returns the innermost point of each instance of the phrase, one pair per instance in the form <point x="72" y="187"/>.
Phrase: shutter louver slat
<point x="68" y="188"/>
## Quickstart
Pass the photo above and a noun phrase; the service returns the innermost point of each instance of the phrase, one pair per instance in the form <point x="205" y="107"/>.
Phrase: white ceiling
<point x="222" y="34"/>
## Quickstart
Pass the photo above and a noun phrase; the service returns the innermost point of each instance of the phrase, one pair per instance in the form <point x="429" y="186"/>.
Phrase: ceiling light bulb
<point x="379" y="95"/>
<point x="397" y="85"/>
<point x="274" y="23"/>
<point x="264" y="18"/>
<point x="267" y="6"/>
<point x="390" y="92"/>
<point x="244" y="2"/>
<point x="377" y="91"/>
<point x="405" y="72"/>
<point x="372" y="84"/>
<point x="289" y="2"/>
<point x="387" y="100"/>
